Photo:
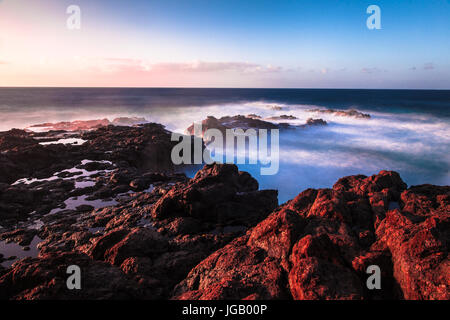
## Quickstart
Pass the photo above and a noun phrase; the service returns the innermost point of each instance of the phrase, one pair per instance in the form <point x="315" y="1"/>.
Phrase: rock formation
<point x="342" y="113"/>
<point x="319" y="245"/>
<point x="116" y="207"/>
<point x="148" y="243"/>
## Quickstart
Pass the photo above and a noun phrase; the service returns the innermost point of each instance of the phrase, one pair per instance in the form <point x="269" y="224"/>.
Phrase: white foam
<point x="81" y="173"/>
<point x="74" y="141"/>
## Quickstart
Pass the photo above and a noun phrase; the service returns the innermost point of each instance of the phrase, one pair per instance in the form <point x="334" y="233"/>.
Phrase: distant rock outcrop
<point x="79" y="125"/>
<point x="343" y="113"/>
<point x="315" y="122"/>
<point x="282" y="117"/>
<point x="276" y="108"/>
<point x="249" y="122"/>
<point x="235" y="122"/>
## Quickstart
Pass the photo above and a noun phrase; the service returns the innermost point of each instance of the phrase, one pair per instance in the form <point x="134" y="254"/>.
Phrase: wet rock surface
<point x="38" y="178"/>
<point x="143" y="240"/>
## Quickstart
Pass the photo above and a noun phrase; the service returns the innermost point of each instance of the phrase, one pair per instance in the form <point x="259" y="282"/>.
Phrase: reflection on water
<point x="75" y="172"/>
<point x="14" y="250"/>
<point x="96" y="230"/>
<point x="74" y="202"/>
<point x="84" y="184"/>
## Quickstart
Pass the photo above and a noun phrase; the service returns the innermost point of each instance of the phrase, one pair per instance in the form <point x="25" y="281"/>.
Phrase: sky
<point x="226" y="43"/>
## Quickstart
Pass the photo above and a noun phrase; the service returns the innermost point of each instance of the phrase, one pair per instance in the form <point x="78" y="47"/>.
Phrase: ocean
<point x="408" y="132"/>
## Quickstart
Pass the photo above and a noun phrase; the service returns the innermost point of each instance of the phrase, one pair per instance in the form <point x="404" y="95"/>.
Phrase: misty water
<point x="408" y="132"/>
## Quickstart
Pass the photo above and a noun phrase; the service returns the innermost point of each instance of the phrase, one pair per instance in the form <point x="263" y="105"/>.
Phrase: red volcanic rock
<point x="79" y="125"/>
<point x="277" y="234"/>
<point x="319" y="271"/>
<point x="217" y="236"/>
<point x="417" y="237"/>
<point x="104" y="243"/>
<point x="323" y="241"/>
<point x="154" y="255"/>
<point x="235" y="272"/>
<point x="76" y="125"/>
<point x="140" y="242"/>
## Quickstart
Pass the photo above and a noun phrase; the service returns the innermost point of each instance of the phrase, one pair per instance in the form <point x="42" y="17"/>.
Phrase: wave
<point x="416" y="145"/>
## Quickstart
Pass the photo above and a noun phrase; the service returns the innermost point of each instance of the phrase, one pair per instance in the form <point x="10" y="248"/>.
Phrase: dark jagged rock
<point x="253" y="116"/>
<point x="146" y="147"/>
<point x="21" y="236"/>
<point x="217" y="193"/>
<point x="133" y="153"/>
<point x="315" y="122"/>
<point x="248" y="122"/>
<point x="45" y="278"/>
<point x="235" y="122"/>
<point x="282" y="117"/>
<point x="15" y="139"/>
<point x="30" y="159"/>
<point x="149" y="246"/>
<point x="18" y="201"/>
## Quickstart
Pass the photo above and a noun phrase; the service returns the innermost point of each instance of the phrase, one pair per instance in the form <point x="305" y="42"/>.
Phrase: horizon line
<point x="231" y="88"/>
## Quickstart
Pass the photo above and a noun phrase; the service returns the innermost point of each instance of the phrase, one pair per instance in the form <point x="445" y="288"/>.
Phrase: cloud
<point x="428" y="66"/>
<point x="370" y="70"/>
<point x="117" y="64"/>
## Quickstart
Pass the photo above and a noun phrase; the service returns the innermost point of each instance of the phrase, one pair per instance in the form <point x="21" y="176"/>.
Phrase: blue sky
<point x="246" y="43"/>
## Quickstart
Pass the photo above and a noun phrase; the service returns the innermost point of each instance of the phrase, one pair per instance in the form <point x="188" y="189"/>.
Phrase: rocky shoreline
<point x="115" y="205"/>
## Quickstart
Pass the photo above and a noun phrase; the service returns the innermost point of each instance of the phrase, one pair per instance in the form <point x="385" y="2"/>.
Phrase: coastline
<point x="117" y="207"/>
